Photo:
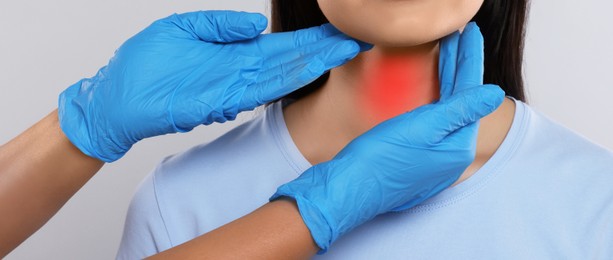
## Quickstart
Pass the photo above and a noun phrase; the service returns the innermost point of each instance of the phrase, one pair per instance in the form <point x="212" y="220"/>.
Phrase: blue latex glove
<point x="192" y="69"/>
<point x="405" y="160"/>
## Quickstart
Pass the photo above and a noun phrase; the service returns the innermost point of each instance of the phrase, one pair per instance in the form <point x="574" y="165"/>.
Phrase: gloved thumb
<point x="224" y="26"/>
<point x="462" y="109"/>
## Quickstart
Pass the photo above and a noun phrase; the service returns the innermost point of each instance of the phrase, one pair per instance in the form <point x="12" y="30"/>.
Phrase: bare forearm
<point x="39" y="171"/>
<point x="274" y="231"/>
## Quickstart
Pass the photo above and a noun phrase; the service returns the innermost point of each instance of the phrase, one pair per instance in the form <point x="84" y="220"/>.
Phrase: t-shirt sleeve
<point x="144" y="231"/>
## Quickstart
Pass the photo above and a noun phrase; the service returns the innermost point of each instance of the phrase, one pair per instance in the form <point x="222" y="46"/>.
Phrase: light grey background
<point x="46" y="46"/>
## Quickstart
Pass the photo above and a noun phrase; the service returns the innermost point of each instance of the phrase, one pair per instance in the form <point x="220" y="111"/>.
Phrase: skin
<point x="349" y="103"/>
<point x="40" y="170"/>
<point x="386" y="22"/>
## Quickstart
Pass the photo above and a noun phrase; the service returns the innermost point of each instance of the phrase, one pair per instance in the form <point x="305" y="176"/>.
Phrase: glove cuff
<point x="72" y="110"/>
<point x="317" y="220"/>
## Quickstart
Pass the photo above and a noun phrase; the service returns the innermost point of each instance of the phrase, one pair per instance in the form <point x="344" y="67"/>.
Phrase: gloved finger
<point x="272" y="44"/>
<point x="465" y="137"/>
<point x="223" y="26"/>
<point x="470" y="59"/>
<point x="323" y="50"/>
<point x="290" y="76"/>
<point x="461" y="109"/>
<point x="279" y="85"/>
<point x="448" y="58"/>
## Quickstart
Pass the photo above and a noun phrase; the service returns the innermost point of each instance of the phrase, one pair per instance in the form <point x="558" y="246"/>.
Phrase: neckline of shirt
<point x="447" y="197"/>
<point x="278" y="128"/>
<point x="488" y="171"/>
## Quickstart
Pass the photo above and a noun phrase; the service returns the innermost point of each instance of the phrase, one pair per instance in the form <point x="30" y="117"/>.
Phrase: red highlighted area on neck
<point x="393" y="85"/>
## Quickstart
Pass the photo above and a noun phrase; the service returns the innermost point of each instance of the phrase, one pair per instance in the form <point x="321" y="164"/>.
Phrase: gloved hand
<point x="192" y="69"/>
<point x="405" y="160"/>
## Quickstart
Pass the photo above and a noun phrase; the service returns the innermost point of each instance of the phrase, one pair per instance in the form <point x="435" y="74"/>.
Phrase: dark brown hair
<point x="502" y="23"/>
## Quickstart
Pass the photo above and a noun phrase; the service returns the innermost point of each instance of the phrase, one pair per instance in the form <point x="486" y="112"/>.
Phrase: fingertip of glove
<point x="471" y="34"/>
<point x="492" y="96"/>
<point x="259" y="21"/>
<point x="364" y="46"/>
<point x="329" y="29"/>
<point x="349" y="48"/>
<point x="340" y="53"/>
<point x="336" y="54"/>
<point x="496" y="92"/>
<point x="251" y="25"/>
<point x="471" y="27"/>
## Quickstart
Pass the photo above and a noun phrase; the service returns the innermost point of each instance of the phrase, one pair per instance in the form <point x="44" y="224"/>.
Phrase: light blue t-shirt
<point x="547" y="193"/>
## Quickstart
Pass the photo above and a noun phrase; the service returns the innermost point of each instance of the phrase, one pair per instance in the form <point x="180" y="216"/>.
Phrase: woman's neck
<point x="376" y="86"/>
<point x="387" y="82"/>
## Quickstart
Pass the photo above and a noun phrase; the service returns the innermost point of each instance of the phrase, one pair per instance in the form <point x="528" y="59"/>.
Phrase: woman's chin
<point x="393" y="40"/>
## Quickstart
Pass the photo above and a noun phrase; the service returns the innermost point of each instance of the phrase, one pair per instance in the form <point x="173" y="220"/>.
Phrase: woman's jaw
<point x="399" y="23"/>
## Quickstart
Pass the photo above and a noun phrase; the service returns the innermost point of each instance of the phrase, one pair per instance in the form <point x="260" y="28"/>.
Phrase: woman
<point x="534" y="190"/>
<point x="199" y="67"/>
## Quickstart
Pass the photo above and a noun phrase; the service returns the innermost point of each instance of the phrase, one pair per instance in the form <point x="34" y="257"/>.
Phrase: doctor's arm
<point x="39" y="171"/>
<point x="180" y="72"/>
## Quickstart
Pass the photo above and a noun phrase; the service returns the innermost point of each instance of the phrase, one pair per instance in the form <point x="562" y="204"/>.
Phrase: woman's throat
<point x="395" y="83"/>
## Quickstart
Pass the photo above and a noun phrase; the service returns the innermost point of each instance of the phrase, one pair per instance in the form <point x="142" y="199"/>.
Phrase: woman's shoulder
<point x="555" y="142"/>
